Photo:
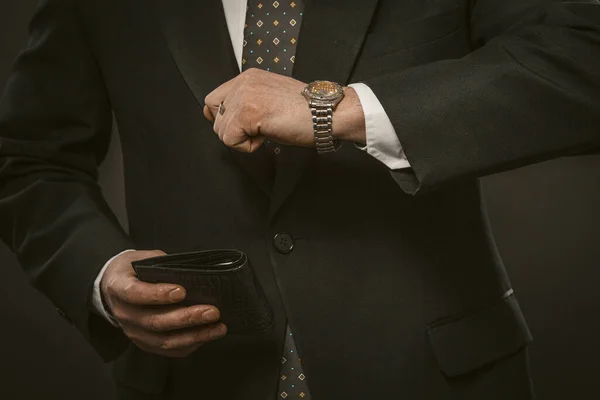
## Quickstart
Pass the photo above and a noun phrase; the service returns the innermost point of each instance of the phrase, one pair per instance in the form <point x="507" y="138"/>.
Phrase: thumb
<point x="138" y="255"/>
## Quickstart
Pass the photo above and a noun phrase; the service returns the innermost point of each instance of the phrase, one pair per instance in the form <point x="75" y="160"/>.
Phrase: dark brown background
<point x="547" y="222"/>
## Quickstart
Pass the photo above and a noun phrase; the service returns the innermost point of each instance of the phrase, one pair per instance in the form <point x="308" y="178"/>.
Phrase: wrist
<point x="100" y="305"/>
<point x="349" y="119"/>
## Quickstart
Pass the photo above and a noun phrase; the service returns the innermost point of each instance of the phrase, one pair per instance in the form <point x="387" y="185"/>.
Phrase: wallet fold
<point x="222" y="278"/>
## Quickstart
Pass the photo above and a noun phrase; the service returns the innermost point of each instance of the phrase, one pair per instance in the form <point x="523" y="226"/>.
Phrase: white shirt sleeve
<point x="235" y="16"/>
<point x="382" y="141"/>
<point x="97" y="296"/>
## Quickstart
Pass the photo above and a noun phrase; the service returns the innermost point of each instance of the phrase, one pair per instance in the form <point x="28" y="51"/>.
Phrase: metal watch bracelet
<point x="322" y="116"/>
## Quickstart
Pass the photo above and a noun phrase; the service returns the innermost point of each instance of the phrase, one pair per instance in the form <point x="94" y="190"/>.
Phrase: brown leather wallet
<point x="223" y="278"/>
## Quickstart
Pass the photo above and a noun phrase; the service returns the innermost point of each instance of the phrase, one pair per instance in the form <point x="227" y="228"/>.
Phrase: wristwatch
<point x="323" y="97"/>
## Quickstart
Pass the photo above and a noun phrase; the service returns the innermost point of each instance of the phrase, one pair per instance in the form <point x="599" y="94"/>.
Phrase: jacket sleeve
<point x="529" y="92"/>
<point x="55" y="123"/>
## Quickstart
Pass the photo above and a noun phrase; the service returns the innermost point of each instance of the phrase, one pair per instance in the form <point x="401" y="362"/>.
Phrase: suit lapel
<point x="198" y="39"/>
<point x="197" y="36"/>
<point x="330" y="40"/>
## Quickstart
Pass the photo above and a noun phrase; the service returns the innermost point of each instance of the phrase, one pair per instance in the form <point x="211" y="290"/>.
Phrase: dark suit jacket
<point x="389" y="294"/>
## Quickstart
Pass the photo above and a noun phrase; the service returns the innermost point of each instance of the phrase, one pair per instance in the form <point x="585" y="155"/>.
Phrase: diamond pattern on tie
<point x="292" y="381"/>
<point x="270" y="39"/>
<point x="271" y="35"/>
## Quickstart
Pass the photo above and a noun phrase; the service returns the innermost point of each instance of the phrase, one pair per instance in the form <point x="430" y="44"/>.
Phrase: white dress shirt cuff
<point x="382" y="142"/>
<point x="97" y="296"/>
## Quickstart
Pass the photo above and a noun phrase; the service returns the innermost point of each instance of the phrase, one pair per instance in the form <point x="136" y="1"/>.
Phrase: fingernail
<point x="210" y="315"/>
<point x="218" y="332"/>
<point x="177" y="294"/>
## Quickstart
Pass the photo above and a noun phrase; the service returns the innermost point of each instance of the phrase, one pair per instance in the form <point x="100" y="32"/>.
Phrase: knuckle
<point x="162" y="292"/>
<point x="251" y="111"/>
<point x="151" y="295"/>
<point x="229" y="140"/>
<point x="109" y="287"/>
<point x="154" y="323"/>
<point x="202" y="337"/>
<point x="244" y="108"/>
<point x="188" y="317"/>
<point x="252" y="119"/>
<point x="127" y="292"/>
<point x="166" y="345"/>
<point x="120" y="314"/>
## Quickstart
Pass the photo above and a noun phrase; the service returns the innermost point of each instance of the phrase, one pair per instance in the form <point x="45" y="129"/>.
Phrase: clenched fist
<point x="260" y="105"/>
<point x="149" y="314"/>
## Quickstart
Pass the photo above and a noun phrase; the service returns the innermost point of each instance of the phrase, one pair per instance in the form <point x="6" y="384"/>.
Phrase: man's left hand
<point x="261" y="105"/>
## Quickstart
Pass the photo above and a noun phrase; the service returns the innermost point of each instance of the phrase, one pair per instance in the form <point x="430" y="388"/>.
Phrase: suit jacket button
<point x="63" y="314"/>
<point x="283" y="243"/>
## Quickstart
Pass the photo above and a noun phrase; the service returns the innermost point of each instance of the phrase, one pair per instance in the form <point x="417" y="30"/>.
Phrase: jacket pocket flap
<point x="472" y="341"/>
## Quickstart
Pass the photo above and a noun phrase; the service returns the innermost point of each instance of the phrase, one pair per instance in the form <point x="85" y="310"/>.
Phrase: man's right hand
<point x="149" y="314"/>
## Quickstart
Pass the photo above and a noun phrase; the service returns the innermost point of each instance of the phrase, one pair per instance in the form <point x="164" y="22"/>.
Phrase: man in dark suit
<point x="358" y="205"/>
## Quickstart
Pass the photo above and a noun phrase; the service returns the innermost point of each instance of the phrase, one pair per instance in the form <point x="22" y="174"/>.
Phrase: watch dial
<point x="324" y="90"/>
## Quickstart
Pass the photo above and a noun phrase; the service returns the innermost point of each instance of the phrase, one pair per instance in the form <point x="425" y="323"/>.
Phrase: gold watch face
<point x="324" y="90"/>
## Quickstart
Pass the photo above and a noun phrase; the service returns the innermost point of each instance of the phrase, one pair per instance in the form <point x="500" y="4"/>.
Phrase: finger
<point x="250" y="145"/>
<point x="178" y="340"/>
<point x="131" y="290"/>
<point x="217" y="96"/>
<point x="160" y="319"/>
<point x="208" y="114"/>
<point x="256" y="142"/>
<point x="128" y="257"/>
<point x="238" y="139"/>
<point x="233" y="135"/>
<point x="220" y="125"/>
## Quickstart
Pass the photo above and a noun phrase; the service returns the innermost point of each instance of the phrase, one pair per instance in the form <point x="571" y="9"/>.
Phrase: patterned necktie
<point x="270" y="38"/>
